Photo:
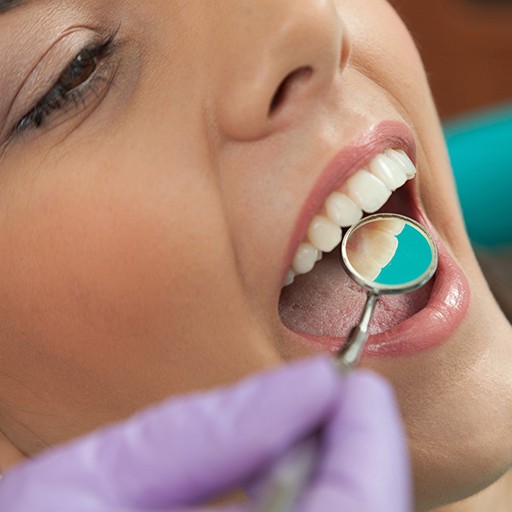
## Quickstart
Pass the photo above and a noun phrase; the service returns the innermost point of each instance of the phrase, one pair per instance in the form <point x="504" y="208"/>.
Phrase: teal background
<point x="412" y="258"/>
<point x="480" y="147"/>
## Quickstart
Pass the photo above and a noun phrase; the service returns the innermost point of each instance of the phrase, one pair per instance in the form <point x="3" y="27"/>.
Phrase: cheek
<point x="110" y="264"/>
<point x="382" y="45"/>
<point x="87" y="239"/>
<point x="118" y="287"/>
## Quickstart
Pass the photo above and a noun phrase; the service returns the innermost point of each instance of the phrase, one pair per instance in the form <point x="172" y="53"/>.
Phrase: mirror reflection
<point x="390" y="251"/>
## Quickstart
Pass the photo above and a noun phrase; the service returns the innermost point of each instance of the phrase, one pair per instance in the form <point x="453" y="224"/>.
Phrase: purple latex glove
<point x="187" y="450"/>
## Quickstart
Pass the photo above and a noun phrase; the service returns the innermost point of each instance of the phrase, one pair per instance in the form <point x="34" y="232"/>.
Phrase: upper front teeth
<point x="342" y="210"/>
<point x="367" y="190"/>
<point x="389" y="172"/>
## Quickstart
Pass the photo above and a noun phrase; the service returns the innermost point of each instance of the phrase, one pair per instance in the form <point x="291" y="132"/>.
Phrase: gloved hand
<point x="179" y="454"/>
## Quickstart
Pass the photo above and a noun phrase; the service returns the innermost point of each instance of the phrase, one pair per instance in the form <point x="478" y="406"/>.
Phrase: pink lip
<point x="382" y="136"/>
<point x="450" y="297"/>
<point x="434" y="324"/>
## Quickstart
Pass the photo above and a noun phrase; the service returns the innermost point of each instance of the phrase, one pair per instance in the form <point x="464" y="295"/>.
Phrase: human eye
<point x="86" y="78"/>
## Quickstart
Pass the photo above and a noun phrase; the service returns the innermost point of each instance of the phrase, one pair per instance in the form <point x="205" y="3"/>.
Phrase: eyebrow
<point x="7" y="5"/>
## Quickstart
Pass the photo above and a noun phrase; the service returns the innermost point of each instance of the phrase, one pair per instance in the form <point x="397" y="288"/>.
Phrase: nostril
<point x="285" y="87"/>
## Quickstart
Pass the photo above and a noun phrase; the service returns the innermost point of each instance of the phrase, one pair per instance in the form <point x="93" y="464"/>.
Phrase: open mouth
<point x="321" y="303"/>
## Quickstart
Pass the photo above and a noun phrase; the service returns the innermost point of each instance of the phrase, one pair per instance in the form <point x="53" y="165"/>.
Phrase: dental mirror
<point x="386" y="254"/>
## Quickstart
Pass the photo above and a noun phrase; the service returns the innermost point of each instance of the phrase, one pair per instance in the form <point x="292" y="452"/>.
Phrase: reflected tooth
<point x="390" y="225"/>
<point x="324" y="234"/>
<point x="367" y="191"/>
<point x="366" y="267"/>
<point x="342" y="210"/>
<point x="379" y="246"/>
<point x="401" y="157"/>
<point x="305" y="258"/>
<point x="370" y="250"/>
<point x="290" y="276"/>
<point x="388" y="171"/>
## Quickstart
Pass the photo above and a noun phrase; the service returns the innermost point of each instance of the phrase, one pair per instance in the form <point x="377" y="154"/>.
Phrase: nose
<point x="281" y="59"/>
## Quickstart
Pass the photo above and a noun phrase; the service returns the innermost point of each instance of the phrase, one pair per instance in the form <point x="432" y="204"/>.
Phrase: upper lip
<point x="347" y="161"/>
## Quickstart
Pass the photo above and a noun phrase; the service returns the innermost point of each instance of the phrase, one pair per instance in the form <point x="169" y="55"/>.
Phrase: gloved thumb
<point x="364" y="464"/>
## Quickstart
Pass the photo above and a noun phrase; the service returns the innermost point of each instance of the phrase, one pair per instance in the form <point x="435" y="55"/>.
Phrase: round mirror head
<point x="389" y="253"/>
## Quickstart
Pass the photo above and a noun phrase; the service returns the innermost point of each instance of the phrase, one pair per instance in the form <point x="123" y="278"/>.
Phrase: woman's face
<point x="160" y="164"/>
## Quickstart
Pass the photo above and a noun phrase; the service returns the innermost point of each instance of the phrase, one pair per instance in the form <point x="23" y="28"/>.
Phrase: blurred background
<point x="467" y="49"/>
<point x="466" y="46"/>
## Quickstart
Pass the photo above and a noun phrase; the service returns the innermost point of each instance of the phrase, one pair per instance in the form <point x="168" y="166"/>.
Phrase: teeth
<point x="365" y="191"/>
<point x="290" y="276"/>
<point x="390" y="226"/>
<point x="401" y="157"/>
<point x="323" y="234"/>
<point x="370" y="250"/>
<point x="342" y="210"/>
<point x="372" y="247"/>
<point x="389" y="171"/>
<point x="305" y="258"/>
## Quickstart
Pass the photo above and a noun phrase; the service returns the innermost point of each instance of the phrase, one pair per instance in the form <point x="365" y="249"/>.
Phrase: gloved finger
<point x="108" y="508"/>
<point x="229" y="508"/>
<point x="187" y="449"/>
<point x="364" y="464"/>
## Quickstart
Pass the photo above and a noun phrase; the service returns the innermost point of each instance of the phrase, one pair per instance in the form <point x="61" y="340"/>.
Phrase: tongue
<point x="327" y="302"/>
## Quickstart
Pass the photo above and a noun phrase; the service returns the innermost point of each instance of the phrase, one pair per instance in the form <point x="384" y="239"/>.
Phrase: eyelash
<point x="69" y="89"/>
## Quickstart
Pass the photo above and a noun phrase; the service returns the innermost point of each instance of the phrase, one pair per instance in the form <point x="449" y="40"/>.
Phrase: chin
<point x="455" y="402"/>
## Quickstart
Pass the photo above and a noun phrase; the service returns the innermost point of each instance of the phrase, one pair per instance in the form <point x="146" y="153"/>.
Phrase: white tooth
<point x="342" y="210"/>
<point x="324" y="234"/>
<point x="319" y="255"/>
<point x="379" y="246"/>
<point x="366" y="267"/>
<point x="290" y="276"/>
<point x="388" y="171"/>
<point x="401" y="157"/>
<point x="370" y="250"/>
<point x="391" y="226"/>
<point x="305" y="258"/>
<point x="367" y="191"/>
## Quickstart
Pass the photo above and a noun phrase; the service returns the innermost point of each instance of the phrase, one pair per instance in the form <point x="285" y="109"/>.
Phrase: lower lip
<point x="430" y="327"/>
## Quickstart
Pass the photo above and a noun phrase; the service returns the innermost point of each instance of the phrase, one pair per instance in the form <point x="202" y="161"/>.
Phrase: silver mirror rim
<point x="390" y="289"/>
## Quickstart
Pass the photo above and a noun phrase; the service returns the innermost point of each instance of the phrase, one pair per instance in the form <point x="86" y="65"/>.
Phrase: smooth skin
<point x="144" y="230"/>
